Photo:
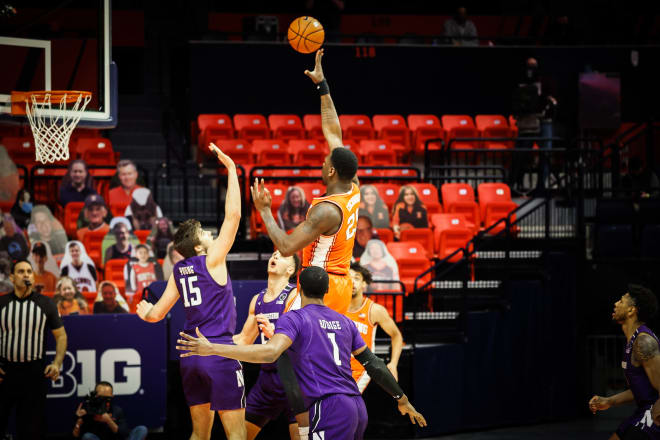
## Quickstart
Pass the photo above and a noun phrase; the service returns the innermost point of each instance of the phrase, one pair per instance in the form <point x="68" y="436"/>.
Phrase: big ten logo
<point x="81" y="372"/>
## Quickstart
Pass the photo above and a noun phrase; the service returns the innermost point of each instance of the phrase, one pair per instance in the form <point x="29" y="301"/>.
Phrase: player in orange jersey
<point x="367" y="316"/>
<point x="328" y="232"/>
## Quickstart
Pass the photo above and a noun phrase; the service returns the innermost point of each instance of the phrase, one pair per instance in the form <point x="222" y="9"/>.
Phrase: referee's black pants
<point x="24" y="387"/>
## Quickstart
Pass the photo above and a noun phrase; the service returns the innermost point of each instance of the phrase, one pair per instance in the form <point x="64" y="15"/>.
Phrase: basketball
<point x="306" y="34"/>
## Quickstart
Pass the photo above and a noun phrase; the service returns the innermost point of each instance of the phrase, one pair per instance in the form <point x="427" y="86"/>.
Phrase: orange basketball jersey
<point x="333" y="252"/>
<point x="367" y="330"/>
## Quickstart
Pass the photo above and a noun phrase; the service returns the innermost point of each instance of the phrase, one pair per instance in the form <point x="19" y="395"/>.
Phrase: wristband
<point x="323" y="88"/>
<point x="303" y="431"/>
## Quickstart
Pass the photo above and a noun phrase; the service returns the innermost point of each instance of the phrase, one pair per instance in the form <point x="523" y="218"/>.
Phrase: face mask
<point x="27" y="207"/>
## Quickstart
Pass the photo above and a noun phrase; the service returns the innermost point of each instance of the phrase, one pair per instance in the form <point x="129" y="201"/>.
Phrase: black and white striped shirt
<point x="24" y="323"/>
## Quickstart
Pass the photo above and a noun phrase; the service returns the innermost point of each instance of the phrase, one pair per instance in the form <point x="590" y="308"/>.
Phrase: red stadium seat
<point x="354" y="146"/>
<point x="403" y="172"/>
<point x="392" y="128"/>
<point x="214" y="126"/>
<point x="369" y="172"/>
<point x="278" y="194"/>
<point x="377" y="152"/>
<point x="312" y="124"/>
<point x="494" y="126"/>
<point x="308" y="152"/>
<point x="429" y="196"/>
<point x="271" y="152"/>
<point x="513" y="125"/>
<point x="92" y="240"/>
<point x="451" y="232"/>
<point x="240" y="150"/>
<point x="385" y="235"/>
<point x="312" y="190"/>
<point x="251" y="126"/>
<point x="114" y="271"/>
<point x="71" y="213"/>
<point x="495" y="203"/>
<point x="357" y="127"/>
<point x="142" y="234"/>
<point x="96" y="151"/>
<point x="389" y="192"/>
<point x="425" y="127"/>
<point x="458" y="198"/>
<point x="460" y="126"/>
<point x="412" y="261"/>
<point x="423" y="236"/>
<point x="286" y="126"/>
<point x="20" y="149"/>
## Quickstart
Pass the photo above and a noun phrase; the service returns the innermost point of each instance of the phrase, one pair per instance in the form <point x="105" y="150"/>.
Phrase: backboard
<point x="59" y="46"/>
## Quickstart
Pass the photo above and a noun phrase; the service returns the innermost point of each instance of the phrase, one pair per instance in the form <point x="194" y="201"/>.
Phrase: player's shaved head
<point x="187" y="237"/>
<point x="314" y="282"/>
<point x="345" y="162"/>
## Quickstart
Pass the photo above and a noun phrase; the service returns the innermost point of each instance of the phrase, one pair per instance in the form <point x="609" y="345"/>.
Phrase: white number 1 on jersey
<point x="335" y="349"/>
<point x="194" y="290"/>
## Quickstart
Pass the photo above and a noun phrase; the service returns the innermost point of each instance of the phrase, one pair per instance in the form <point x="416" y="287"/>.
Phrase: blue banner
<point x="120" y="349"/>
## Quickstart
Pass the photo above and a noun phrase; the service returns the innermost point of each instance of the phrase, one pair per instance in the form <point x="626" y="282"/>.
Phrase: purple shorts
<point x="643" y="421"/>
<point x="267" y="398"/>
<point x="215" y="380"/>
<point x="338" y="417"/>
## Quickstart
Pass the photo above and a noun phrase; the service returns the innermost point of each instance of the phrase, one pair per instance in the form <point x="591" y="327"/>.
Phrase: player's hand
<point x="52" y="371"/>
<point x="194" y="346"/>
<point x="143" y="309"/>
<point x="317" y="74"/>
<point x="260" y="195"/>
<point x="265" y="325"/>
<point x="598" y="403"/>
<point x="405" y="407"/>
<point x="2" y="375"/>
<point x="222" y="157"/>
<point x="393" y="370"/>
<point x="80" y="412"/>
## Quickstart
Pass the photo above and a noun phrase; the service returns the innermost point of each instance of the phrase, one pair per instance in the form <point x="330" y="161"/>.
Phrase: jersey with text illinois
<point x="207" y="304"/>
<point x="322" y="343"/>
<point x="273" y="310"/>
<point x="333" y="252"/>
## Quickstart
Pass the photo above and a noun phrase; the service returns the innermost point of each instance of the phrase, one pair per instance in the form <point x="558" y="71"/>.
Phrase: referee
<point x="25" y="316"/>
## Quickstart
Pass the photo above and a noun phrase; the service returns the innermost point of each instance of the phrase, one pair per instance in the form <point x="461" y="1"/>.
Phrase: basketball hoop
<point x="53" y="114"/>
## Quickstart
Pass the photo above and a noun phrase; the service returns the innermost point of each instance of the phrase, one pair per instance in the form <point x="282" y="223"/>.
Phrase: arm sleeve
<point x="378" y="371"/>
<point x="52" y="316"/>
<point x="290" y="384"/>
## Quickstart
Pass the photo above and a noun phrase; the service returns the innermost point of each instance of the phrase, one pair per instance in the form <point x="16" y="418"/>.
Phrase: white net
<point x="52" y="125"/>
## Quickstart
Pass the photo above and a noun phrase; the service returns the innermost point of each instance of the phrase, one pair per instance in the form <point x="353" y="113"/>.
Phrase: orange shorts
<point x="340" y="290"/>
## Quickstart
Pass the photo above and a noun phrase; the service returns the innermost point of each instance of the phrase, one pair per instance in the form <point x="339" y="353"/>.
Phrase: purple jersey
<point x="207" y="304"/>
<point x="644" y="393"/>
<point x="273" y="310"/>
<point x="322" y="343"/>
<point x="638" y="381"/>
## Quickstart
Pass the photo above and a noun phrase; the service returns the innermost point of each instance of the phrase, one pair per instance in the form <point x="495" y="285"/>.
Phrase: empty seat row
<point x="393" y="128"/>
<point x="94" y="151"/>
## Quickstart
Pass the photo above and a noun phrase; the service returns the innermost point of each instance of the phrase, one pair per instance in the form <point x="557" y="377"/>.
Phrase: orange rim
<point x="18" y="99"/>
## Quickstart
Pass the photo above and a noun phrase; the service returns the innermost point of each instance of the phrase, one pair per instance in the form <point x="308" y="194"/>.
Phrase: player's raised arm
<point x="329" y="118"/>
<point x="156" y="312"/>
<point x="320" y="219"/>
<point x="250" y="329"/>
<point x="218" y="251"/>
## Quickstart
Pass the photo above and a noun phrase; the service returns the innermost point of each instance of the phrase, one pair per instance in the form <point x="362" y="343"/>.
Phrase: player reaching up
<point x="320" y="342"/>
<point x="641" y="366"/>
<point x="267" y="398"/>
<point x="202" y="281"/>
<point x="327" y="235"/>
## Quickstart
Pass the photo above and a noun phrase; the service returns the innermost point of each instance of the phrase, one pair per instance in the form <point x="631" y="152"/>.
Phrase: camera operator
<point x="98" y="419"/>
<point x="534" y="112"/>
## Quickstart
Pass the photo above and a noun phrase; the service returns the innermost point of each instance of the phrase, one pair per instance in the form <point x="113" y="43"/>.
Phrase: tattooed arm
<point x="647" y="352"/>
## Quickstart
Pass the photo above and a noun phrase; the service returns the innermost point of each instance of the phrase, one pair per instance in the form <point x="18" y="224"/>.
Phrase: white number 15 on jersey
<point x="192" y="289"/>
